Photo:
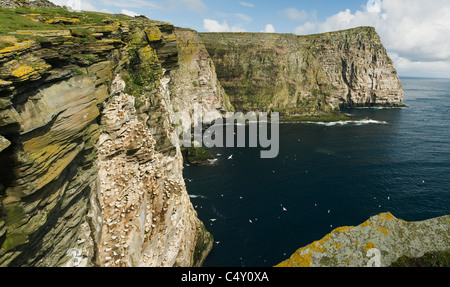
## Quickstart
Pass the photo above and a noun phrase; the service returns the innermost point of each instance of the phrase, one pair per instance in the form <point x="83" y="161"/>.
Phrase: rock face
<point x="149" y="218"/>
<point x="91" y="172"/>
<point x="304" y="74"/>
<point x="382" y="237"/>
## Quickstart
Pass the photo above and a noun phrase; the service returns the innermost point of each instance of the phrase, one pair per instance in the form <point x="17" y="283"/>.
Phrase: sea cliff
<point x="91" y="169"/>
<point x="305" y="75"/>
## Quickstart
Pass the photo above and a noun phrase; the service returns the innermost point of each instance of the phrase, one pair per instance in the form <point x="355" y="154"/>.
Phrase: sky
<point x="416" y="33"/>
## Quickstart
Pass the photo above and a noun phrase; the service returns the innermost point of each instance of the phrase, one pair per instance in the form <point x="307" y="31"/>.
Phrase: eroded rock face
<point x="91" y="174"/>
<point x="148" y="218"/>
<point x="306" y="74"/>
<point x="381" y="240"/>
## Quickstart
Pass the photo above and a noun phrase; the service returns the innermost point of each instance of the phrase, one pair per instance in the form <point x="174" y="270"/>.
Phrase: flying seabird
<point x="230" y="157"/>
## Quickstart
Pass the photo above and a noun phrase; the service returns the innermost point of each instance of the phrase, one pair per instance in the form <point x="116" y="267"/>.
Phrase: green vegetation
<point x="4" y="44"/>
<point x="11" y="21"/>
<point x="48" y="19"/>
<point x="324" y="117"/>
<point x="432" y="259"/>
<point x="23" y="18"/>
<point x="197" y="155"/>
<point x="204" y="241"/>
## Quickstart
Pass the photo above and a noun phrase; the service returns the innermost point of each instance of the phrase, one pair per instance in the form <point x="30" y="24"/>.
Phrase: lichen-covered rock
<point x="60" y="111"/>
<point x="195" y="79"/>
<point x="4" y="143"/>
<point x="383" y="236"/>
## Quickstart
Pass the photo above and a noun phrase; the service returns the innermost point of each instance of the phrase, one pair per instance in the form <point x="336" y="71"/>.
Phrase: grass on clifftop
<point x="23" y="18"/>
<point x="197" y="155"/>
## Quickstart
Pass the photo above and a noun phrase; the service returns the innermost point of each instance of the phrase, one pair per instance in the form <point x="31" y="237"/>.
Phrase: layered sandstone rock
<point x="91" y="170"/>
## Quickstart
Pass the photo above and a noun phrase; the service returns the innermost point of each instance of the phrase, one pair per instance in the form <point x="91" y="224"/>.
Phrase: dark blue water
<point x="350" y="170"/>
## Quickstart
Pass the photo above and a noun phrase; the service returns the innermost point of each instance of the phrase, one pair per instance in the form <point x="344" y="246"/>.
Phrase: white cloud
<point x="84" y="5"/>
<point x="214" y="26"/>
<point x="165" y="5"/>
<point x="246" y="4"/>
<point x="237" y="28"/>
<point x="129" y="13"/>
<point x="307" y="28"/>
<point x="269" y="29"/>
<point x="374" y="6"/>
<point x="294" y="14"/>
<point x="417" y="34"/>
<point x="407" y="67"/>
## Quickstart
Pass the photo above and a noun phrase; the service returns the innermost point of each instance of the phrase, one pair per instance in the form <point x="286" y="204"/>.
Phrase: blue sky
<point x="416" y="33"/>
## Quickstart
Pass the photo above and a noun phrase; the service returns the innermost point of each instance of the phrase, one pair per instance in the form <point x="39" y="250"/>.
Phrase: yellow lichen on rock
<point x="153" y="34"/>
<point x="8" y="39"/>
<point x="4" y="83"/>
<point x="44" y="33"/>
<point x="369" y="246"/>
<point x="297" y="260"/>
<point x="63" y="20"/>
<point x="17" y="49"/>
<point x="390" y="237"/>
<point x="23" y="72"/>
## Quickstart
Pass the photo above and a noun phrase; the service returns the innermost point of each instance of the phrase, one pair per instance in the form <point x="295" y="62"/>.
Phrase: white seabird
<point x="230" y="157"/>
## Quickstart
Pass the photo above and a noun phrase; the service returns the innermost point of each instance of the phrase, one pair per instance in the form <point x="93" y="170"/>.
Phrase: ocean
<point x="327" y="175"/>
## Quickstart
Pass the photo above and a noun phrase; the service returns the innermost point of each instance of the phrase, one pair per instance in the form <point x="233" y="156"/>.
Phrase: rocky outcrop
<point x="91" y="170"/>
<point x="22" y="3"/>
<point x="304" y="74"/>
<point x="143" y="198"/>
<point x="382" y="238"/>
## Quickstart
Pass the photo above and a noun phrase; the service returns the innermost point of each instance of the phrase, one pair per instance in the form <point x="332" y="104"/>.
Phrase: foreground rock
<point x="382" y="236"/>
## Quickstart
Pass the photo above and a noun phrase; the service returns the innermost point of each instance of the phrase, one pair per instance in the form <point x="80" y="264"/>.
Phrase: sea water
<point x="327" y="175"/>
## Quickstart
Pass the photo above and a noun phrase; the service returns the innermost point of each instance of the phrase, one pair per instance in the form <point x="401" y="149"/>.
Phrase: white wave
<point x="378" y="108"/>
<point x="356" y="123"/>
<point x="196" y="196"/>
<point x="212" y="161"/>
